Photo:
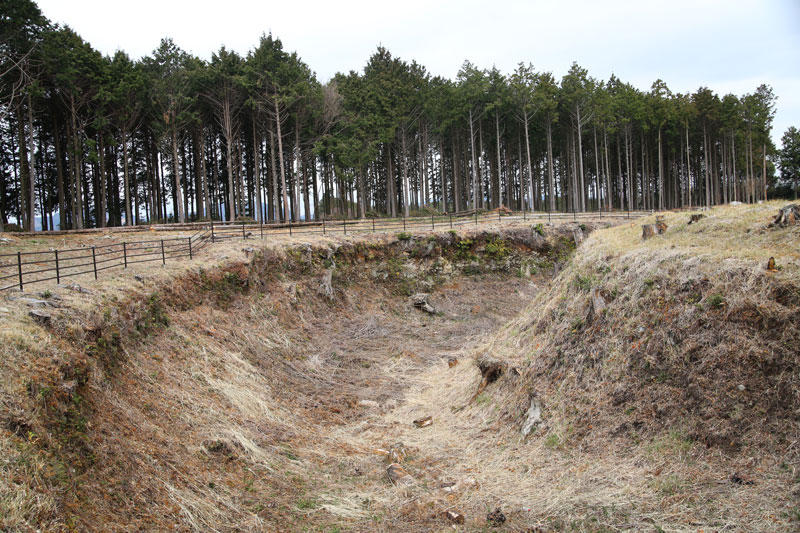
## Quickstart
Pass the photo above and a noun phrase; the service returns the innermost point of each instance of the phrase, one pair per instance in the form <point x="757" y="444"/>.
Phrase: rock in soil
<point x="577" y="236"/>
<point x="39" y="316"/>
<point x="532" y="417"/>
<point x="420" y="301"/>
<point x="451" y="362"/>
<point x="454" y="516"/>
<point x="398" y="475"/>
<point x="738" y="480"/>
<point x="77" y="288"/>
<point x="491" y="369"/>
<point x="423" y="422"/>
<point x="598" y="302"/>
<point x="496" y="518"/>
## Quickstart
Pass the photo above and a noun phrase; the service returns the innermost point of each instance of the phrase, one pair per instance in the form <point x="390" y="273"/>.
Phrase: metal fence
<point x="26" y="268"/>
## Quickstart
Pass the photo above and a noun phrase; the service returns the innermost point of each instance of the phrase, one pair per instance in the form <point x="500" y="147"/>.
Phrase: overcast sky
<point x="727" y="45"/>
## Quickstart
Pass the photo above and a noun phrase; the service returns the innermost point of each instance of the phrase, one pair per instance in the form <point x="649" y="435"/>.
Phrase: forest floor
<point x="235" y="392"/>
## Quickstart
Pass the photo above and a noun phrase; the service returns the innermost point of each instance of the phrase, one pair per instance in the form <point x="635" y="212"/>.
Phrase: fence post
<point x="58" y="274"/>
<point x="323" y="224"/>
<point x="498" y="215"/>
<point x="163" y="256"/>
<point x="290" y="227"/>
<point x="344" y="225"/>
<point x="476" y="217"/>
<point x="94" y="262"/>
<point x="19" y="269"/>
<point x="261" y="227"/>
<point x="433" y="225"/>
<point x="451" y="221"/>
<point x="404" y="223"/>
<point x="523" y="215"/>
<point x="373" y="224"/>
<point x="190" y="247"/>
<point x="212" y="230"/>
<point x="125" y="253"/>
<point x="243" y="235"/>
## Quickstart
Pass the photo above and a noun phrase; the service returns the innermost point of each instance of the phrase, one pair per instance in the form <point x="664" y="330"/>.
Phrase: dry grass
<point x="243" y="413"/>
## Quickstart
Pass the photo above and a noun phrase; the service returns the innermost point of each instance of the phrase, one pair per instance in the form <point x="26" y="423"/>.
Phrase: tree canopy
<point x="92" y="140"/>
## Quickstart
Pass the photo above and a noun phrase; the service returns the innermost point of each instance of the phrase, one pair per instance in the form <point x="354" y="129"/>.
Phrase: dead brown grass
<point x="242" y="398"/>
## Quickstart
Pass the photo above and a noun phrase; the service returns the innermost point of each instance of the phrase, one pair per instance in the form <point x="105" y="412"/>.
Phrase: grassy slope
<point x="202" y="400"/>
<point x="689" y="375"/>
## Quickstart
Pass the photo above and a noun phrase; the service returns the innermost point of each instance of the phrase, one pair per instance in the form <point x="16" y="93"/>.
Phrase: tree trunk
<point x="77" y="213"/>
<point x="257" y="171"/>
<point x="580" y="161"/>
<point x="178" y="198"/>
<point x="31" y="194"/>
<point x="474" y="204"/>
<point x="550" y="172"/>
<point x="764" y="169"/>
<point x="404" y="156"/>
<point x="125" y="180"/>
<point x="276" y="215"/>
<point x="286" y="214"/>
<point x="528" y="155"/>
<point x="497" y="193"/>
<point x="296" y="177"/>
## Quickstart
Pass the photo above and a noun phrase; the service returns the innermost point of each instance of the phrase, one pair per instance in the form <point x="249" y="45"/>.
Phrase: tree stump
<point x="695" y="218"/>
<point x="787" y="216"/>
<point x="771" y="266"/>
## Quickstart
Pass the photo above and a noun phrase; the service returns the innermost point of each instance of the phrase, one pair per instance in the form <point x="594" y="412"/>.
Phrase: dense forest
<point x="88" y="140"/>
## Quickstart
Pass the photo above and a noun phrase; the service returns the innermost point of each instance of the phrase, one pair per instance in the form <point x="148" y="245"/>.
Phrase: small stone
<point x="398" y="475"/>
<point x="39" y="316"/>
<point x="139" y="278"/>
<point x="420" y="301"/>
<point x="77" y="288"/>
<point x="47" y="295"/>
<point x="33" y="302"/>
<point x="598" y="302"/>
<point x="371" y="404"/>
<point x="326" y="284"/>
<point x="451" y="362"/>
<point x="449" y="486"/>
<point x="532" y="417"/>
<point x="496" y="518"/>
<point x="4" y="310"/>
<point x="423" y="422"/>
<point x="740" y="387"/>
<point x="248" y="250"/>
<point x="454" y="516"/>
<point x="738" y="480"/>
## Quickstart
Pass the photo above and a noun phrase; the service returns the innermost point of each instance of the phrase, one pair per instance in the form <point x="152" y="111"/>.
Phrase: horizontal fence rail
<point x="20" y="269"/>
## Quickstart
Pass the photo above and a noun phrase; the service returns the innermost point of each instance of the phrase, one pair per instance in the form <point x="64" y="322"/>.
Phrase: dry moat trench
<point x="272" y="394"/>
<point x="264" y="395"/>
